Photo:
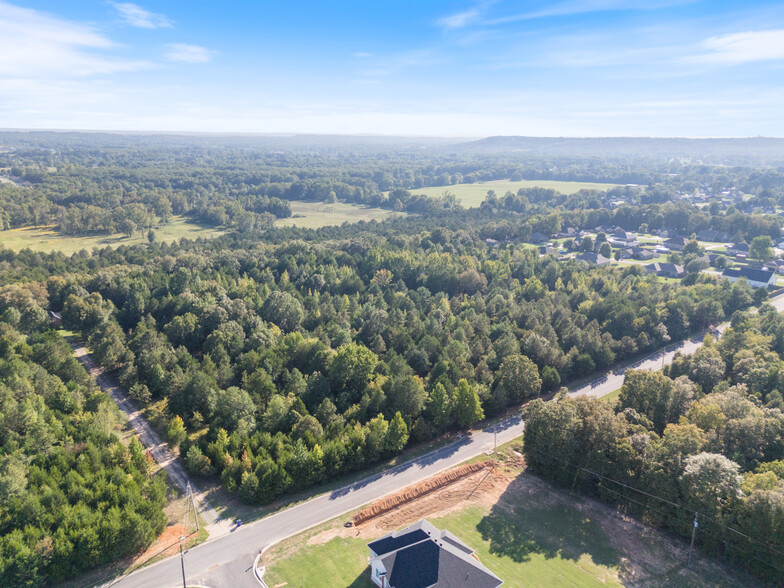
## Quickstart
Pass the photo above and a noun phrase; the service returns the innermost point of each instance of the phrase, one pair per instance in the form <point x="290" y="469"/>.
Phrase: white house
<point x="756" y="278"/>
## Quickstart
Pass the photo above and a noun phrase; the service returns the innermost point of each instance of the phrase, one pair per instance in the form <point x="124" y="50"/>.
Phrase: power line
<point x="655" y="497"/>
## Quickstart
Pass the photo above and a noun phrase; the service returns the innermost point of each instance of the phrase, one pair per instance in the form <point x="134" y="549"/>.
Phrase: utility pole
<point x="693" y="533"/>
<point x="193" y="505"/>
<point x="182" y="563"/>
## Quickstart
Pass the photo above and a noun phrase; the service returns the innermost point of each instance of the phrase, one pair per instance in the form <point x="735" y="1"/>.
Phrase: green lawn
<point x="612" y="397"/>
<point x="314" y="215"/>
<point x="46" y="239"/>
<point x="471" y="195"/>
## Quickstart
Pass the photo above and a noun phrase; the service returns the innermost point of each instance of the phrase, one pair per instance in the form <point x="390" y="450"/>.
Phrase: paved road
<point x="613" y="380"/>
<point x="151" y="440"/>
<point x="228" y="561"/>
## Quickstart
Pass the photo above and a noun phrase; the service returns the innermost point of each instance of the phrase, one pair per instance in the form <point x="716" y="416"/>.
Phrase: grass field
<point x="314" y="215"/>
<point x="46" y="239"/>
<point x="471" y="195"/>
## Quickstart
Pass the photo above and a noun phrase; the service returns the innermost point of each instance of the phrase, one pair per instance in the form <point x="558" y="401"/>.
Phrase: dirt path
<point x="216" y="525"/>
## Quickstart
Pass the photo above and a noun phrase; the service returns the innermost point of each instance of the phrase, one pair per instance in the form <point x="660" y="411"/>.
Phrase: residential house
<point x="755" y="278"/>
<point x="713" y="236"/>
<point x="593" y="258"/>
<point x="624" y="236"/>
<point x="547" y="250"/>
<point x="665" y="270"/>
<point x="568" y="232"/>
<point x="676" y="243"/>
<point x="738" y="249"/>
<point x="421" y="556"/>
<point x="491" y="242"/>
<point x="643" y="254"/>
<point x="538" y="238"/>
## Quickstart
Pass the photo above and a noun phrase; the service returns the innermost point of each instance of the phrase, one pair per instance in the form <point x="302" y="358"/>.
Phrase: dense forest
<point x="72" y="496"/>
<point x="300" y="361"/>
<point x="704" y="437"/>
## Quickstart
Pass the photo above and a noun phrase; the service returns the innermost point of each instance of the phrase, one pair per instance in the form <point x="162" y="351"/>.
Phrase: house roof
<point x="394" y="541"/>
<point x="596" y="258"/>
<point x="753" y="275"/>
<point x="677" y="241"/>
<point x="666" y="267"/>
<point x="436" y="560"/>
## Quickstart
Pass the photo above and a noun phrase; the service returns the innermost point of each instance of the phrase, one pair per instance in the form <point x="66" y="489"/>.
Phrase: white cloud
<point x="362" y="55"/>
<point x="38" y="44"/>
<point x="572" y="7"/>
<point x="188" y="53"/>
<point x="743" y="47"/>
<point x="459" y="20"/>
<point x="136" y="16"/>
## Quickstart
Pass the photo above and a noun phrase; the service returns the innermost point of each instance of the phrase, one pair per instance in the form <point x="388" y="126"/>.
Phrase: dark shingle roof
<point x="391" y="543"/>
<point x="753" y="275"/>
<point x="424" y="557"/>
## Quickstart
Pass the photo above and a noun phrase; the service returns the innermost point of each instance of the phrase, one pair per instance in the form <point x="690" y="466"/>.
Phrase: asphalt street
<point x="227" y="561"/>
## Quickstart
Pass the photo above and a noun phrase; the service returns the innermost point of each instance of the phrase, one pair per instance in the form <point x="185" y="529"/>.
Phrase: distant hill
<point x="729" y="151"/>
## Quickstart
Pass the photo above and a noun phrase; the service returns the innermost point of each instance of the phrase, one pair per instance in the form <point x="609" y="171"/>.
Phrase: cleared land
<point x="314" y="215"/>
<point x="526" y="531"/>
<point x="46" y="239"/>
<point x="471" y="195"/>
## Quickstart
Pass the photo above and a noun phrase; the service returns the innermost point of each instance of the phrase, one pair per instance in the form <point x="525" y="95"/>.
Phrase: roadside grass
<point x="472" y="195"/>
<point x="314" y="215"/>
<point x="46" y="239"/>
<point x="612" y="397"/>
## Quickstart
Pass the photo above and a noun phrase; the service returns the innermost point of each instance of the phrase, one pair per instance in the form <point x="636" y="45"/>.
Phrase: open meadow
<point x="314" y="215"/>
<point x="46" y="239"/>
<point x="472" y="195"/>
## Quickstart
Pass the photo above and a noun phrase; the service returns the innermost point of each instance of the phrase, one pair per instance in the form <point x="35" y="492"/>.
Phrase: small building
<point x="568" y="232"/>
<point x="538" y="238"/>
<point x="56" y="318"/>
<point x="755" y="278"/>
<point x="547" y="250"/>
<point x="491" y="242"/>
<point x="593" y="258"/>
<point x="665" y="270"/>
<point x="421" y="556"/>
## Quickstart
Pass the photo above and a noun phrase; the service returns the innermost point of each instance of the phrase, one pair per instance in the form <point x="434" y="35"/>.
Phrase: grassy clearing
<point x="471" y="195"/>
<point x="314" y="215"/>
<point x="46" y="239"/>
<point x="612" y="397"/>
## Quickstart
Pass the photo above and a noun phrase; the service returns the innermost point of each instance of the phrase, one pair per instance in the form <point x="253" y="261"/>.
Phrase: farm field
<point x="45" y="239"/>
<point x="472" y="195"/>
<point x="314" y="215"/>
<point x="526" y="531"/>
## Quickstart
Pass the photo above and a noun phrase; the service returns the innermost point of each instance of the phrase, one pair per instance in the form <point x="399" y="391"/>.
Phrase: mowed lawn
<point x="314" y="215"/>
<point x="46" y="239"/>
<point x="472" y="195"/>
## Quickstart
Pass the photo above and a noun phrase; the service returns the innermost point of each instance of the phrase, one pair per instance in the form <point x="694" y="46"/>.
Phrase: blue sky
<point x="457" y="68"/>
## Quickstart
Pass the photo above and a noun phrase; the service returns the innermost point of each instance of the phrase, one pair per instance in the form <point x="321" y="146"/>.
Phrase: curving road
<point x="227" y="561"/>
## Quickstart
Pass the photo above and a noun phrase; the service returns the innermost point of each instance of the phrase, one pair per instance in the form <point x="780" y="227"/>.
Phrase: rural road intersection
<point x="228" y="560"/>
